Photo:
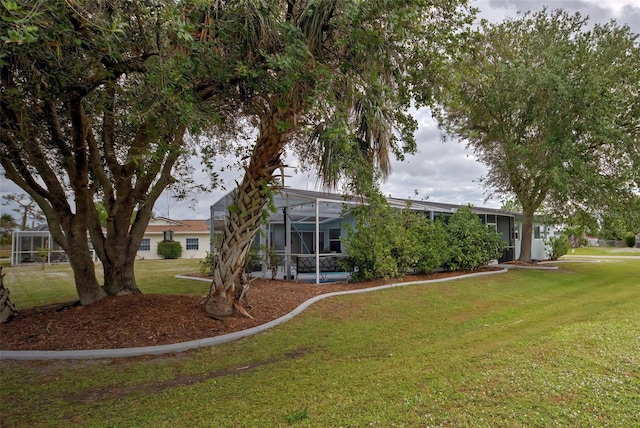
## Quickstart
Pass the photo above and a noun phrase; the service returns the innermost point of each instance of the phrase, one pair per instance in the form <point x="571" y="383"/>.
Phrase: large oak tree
<point x="329" y="79"/>
<point x="96" y="99"/>
<point x="551" y="107"/>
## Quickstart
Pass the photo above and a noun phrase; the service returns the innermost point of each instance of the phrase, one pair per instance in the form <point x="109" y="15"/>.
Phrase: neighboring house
<point x="193" y="235"/>
<point x="307" y="227"/>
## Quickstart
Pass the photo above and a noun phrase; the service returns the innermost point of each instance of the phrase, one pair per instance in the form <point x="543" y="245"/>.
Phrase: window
<point x="538" y="232"/>
<point x="303" y="243"/>
<point x="145" y="245"/>
<point x="192" y="243"/>
<point x="334" y="241"/>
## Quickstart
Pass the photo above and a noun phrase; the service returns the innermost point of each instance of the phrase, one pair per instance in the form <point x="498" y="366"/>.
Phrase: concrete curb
<point x="508" y="266"/>
<point x="211" y="341"/>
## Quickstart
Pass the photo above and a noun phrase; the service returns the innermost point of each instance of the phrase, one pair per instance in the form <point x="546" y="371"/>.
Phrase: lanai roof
<point x="302" y="206"/>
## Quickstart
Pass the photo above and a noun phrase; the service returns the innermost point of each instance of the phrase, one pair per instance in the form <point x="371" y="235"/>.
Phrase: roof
<point x="452" y="208"/>
<point x="43" y="227"/>
<point x="301" y="206"/>
<point x="160" y="224"/>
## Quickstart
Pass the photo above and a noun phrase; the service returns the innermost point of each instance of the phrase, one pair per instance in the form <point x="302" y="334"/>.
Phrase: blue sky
<point x="443" y="172"/>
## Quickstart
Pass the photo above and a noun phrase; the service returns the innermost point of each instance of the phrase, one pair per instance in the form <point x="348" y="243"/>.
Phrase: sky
<point x="441" y="172"/>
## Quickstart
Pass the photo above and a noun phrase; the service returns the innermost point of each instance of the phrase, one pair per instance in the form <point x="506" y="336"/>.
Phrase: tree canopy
<point x="331" y="80"/>
<point x="96" y="99"/>
<point x="551" y="107"/>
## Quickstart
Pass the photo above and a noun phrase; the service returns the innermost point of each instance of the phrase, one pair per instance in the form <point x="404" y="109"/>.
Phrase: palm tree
<point x="329" y="79"/>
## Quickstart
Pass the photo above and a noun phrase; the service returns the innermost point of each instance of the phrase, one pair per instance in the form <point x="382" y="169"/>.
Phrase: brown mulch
<point x="149" y="320"/>
<point x="527" y="264"/>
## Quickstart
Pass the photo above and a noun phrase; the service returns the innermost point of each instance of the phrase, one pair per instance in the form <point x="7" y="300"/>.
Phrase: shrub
<point x="387" y="242"/>
<point x="373" y="242"/>
<point x="252" y="263"/>
<point x="630" y="240"/>
<point x="471" y="243"/>
<point x="434" y="250"/>
<point x="409" y="244"/>
<point x="272" y="259"/>
<point x="169" y="249"/>
<point x="206" y="265"/>
<point x="557" y="246"/>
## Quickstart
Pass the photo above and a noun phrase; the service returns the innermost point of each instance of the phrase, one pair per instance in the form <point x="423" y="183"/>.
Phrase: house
<point x="193" y="235"/>
<point x="307" y="227"/>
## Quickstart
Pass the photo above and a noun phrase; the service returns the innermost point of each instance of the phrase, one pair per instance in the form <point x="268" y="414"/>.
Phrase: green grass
<point x="526" y="348"/>
<point x="30" y="285"/>
<point x="605" y="251"/>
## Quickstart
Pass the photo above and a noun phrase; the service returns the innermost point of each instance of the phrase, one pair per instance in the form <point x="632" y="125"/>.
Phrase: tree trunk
<point x="7" y="308"/>
<point x="241" y="226"/>
<point x="119" y="276"/>
<point x="245" y="214"/>
<point x="526" y="239"/>
<point x="70" y="232"/>
<point x="118" y="258"/>
<point x="87" y="286"/>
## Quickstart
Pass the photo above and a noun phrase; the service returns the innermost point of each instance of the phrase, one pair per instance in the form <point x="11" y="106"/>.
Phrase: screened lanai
<point x="305" y="228"/>
<point x="34" y="245"/>
<point x="37" y="246"/>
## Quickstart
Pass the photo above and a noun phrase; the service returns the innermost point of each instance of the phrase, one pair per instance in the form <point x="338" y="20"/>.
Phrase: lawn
<point x="31" y="285"/>
<point x="605" y="251"/>
<point x="526" y="348"/>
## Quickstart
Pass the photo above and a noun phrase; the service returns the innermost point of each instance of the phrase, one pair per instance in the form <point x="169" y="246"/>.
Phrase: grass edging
<point x="211" y="341"/>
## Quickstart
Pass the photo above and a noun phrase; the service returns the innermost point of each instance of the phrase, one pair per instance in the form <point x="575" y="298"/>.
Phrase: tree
<point x="96" y="100"/>
<point x="27" y="208"/>
<point x="621" y="219"/>
<point x="7" y="225"/>
<point x="329" y="79"/>
<point x="552" y="110"/>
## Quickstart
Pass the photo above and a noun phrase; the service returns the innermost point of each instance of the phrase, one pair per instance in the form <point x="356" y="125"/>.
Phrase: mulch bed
<point x="149" y="320"/>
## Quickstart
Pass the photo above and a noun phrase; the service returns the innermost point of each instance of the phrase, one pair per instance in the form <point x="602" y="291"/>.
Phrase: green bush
<point x="557" y="246"/>
<point x="169" y="249"/>
<point x="252" y="263"/>
<point x="471" y="244"/>
<point x="371" y="244"/>
<point x="206" y="265"/>
<point x="630" y="240"/>
<point x="271" y="259"/>
<point x="388" y="243"/>
<point x="433" y="252"/>
<point x="409" y="240"/>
